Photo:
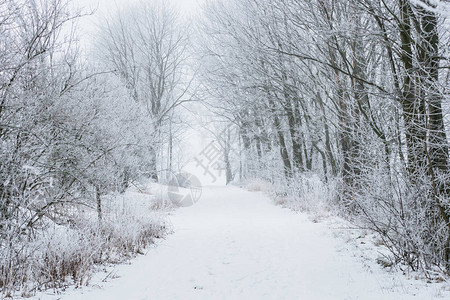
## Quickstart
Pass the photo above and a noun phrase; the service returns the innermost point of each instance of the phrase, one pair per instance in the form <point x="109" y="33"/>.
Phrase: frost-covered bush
<point x="405" y="218"/>
<point x="59" y="255"/>
<point x="49" y="260"/>
<point x="258" y="184"/>
<point x="128" y="233"/>
<point x="64" y="254"/>
<point x="306" y="192"/>
<point x="303" y="192"/>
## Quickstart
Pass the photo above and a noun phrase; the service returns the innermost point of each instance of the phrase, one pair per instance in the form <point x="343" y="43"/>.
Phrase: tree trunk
<point x="283" y="149"/>
<point x="99" y="203"/>
<point x="328" y="148"/>
<point x="437" y="140"/>
<point x="153" y="174"/>
<point x="294" y="125"/>
<point x="413" y="108"/>
<point x="437" y="143"/>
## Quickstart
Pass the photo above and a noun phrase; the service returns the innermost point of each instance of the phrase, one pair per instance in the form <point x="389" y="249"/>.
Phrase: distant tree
<point x="146" y="46"/>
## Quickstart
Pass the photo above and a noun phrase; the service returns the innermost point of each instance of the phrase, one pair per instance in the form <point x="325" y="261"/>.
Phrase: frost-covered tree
<point x="67" y="133"/>
<point x="352" y="91"/>
<point x="146" y="46"/>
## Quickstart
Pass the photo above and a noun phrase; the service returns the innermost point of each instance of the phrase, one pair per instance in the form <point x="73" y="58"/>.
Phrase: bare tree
<point x="146" y="45"/>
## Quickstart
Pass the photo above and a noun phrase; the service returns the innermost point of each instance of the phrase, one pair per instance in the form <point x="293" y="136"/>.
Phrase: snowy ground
<point x="236" y="244"/>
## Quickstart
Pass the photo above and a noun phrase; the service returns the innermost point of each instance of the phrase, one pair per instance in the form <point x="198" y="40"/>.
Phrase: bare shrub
<point x="59" y="255"/>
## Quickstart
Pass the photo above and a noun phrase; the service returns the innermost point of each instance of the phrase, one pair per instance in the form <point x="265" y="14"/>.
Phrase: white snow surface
<point x="236" y="244"/>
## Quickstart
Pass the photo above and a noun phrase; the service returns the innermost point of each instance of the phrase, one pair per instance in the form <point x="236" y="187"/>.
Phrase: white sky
<point x="189" y="6"/>
<point x="102" y="8"/>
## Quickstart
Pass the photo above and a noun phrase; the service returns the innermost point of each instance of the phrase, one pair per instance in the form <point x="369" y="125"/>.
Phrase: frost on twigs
<point x="59" y="255"/>
<point x="258" y="184"/>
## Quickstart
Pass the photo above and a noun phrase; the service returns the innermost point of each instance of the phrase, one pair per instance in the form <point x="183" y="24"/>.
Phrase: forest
<point x="350" y="96"/>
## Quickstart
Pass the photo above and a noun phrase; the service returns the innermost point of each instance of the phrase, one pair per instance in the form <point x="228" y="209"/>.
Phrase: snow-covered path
<point x="235" y="244"/>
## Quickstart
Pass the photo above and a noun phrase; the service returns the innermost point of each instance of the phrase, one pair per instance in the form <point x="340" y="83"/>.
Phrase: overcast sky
<point x="105" y="5"/>
<point x="87" y="26"/>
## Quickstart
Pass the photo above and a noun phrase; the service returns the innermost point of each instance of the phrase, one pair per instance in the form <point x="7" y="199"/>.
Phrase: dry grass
<point x="59" y="255"/>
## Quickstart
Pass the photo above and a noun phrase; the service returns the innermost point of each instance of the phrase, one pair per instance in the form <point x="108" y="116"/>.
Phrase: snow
<point x="236" y="244"/>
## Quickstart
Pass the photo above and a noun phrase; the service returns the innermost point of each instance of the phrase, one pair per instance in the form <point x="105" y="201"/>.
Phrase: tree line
<point x="355" y="91"/>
